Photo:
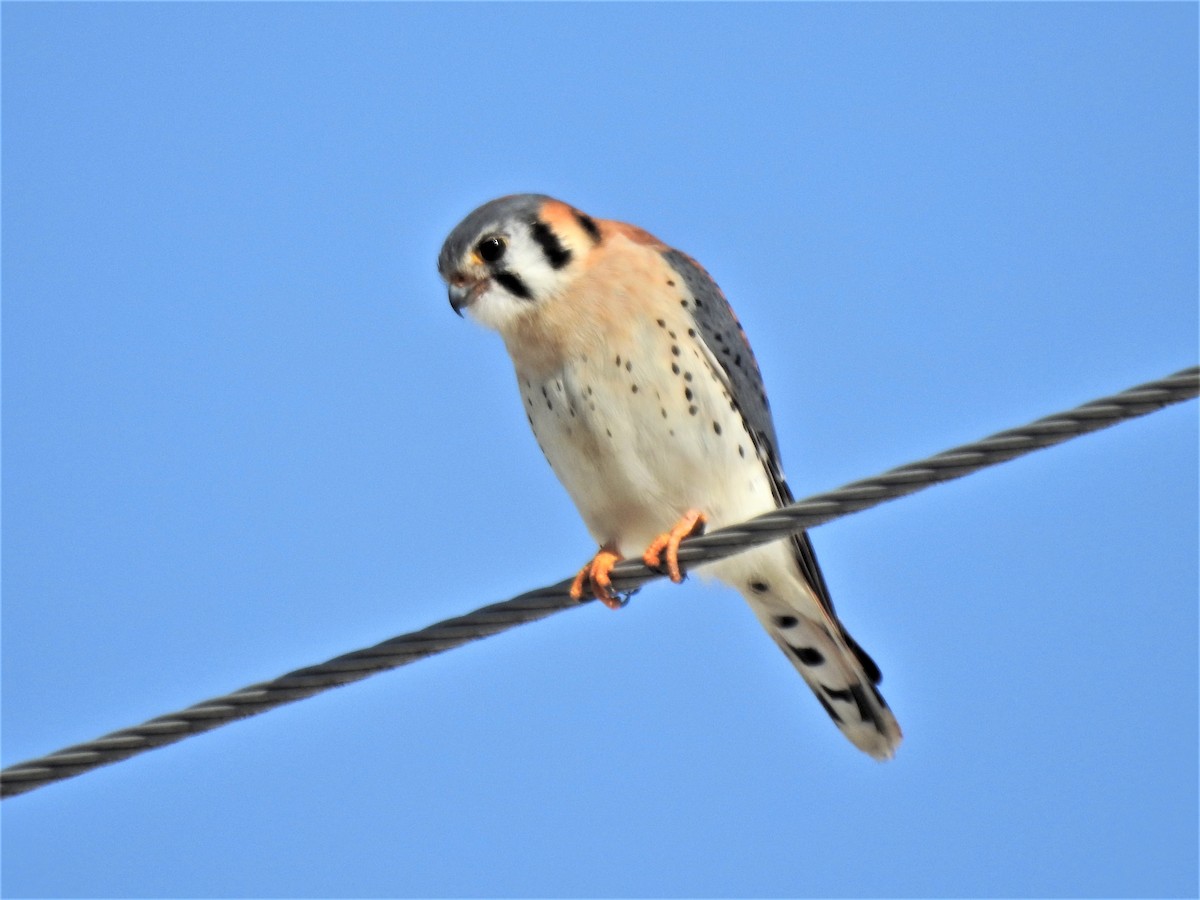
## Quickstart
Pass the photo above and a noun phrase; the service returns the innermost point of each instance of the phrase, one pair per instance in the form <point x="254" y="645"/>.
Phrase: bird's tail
<point x="838" y="671"/>
<point x="841" y="675"/>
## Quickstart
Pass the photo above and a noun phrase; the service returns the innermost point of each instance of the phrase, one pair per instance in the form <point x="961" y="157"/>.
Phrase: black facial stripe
<point x="513" y="285"/>
<point x="588" y="224"/>
<point x="556" y="254"/>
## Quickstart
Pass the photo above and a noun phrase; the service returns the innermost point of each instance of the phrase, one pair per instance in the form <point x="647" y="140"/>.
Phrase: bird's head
<point x="512" y="254"/>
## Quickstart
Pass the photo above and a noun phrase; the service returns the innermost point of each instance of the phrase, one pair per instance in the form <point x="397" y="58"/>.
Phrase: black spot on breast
<point x="687" y="376"/>
<point x="674" y="349"/>
<point x="687" y="393"/>
<point x="759" y="587"/>
<point x="741" y="451"/>
<point x="682" y="303"/>
<point x="618" y="360"/>
<point x="675" y="368"/>
<point x="670" y="282"/>
<point x="628" y="366"/>
<point x="786" y="621"/>
<point x="716" y="426"/>
<point x="808" y="655"/>
<point x="662" y="324"/>
<point x="633" y="388"/>
<point x="672" y="335"/>
<point x="691" y="332"/>
<point x="692" y="410"/>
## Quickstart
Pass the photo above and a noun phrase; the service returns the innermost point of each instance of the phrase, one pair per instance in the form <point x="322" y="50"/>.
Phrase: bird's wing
<point x="722" y="334"/>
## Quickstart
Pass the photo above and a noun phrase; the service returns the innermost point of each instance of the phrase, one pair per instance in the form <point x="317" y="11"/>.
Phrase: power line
<point x="540" y="603"/>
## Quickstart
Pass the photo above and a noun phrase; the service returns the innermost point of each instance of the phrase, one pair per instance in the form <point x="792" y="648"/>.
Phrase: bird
<point x="645" y="398"/>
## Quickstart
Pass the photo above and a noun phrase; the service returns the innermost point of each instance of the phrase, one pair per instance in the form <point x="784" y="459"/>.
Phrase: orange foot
<point x="594" y="578"/>
<point x="692" y="523"/>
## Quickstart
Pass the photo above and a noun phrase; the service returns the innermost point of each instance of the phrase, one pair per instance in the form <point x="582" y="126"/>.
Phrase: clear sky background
<point x="243" y="432"/>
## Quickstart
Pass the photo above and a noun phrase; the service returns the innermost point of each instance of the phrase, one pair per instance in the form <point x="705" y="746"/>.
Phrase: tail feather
<point x="839" y="672"/>
<point x="838" y="677"/>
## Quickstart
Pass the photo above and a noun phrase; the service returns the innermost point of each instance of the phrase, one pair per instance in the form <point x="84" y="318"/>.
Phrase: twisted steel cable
<point x="542" y="602"/>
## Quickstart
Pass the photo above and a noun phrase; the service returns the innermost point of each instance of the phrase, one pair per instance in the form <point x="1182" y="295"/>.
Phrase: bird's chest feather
<point x="636" y="420"/>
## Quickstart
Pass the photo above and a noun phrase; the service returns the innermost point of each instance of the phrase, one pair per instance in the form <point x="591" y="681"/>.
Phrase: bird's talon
<point x="620" y="599"/>
<point x="577" y="586"/>
<point x="667" y="544"/>
<point x="612" y="601"/>
<point x="594" y="579"/>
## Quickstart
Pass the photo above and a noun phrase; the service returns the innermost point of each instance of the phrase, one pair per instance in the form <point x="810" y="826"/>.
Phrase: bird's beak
<point x="463" y="295"/>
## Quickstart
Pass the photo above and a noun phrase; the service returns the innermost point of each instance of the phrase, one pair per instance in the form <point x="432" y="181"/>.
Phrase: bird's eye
<point x="491" y="248"/>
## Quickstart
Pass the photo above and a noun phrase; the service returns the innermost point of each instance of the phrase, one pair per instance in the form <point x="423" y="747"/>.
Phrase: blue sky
<point x="243" y="432"/>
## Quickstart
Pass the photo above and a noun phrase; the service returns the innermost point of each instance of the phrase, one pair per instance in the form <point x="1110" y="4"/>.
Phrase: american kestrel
<point x="644" y="396"/>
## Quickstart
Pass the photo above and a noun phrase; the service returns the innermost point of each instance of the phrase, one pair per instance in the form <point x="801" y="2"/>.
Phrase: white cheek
<point x="541" y="280"/>
<point x="496" y="308"/>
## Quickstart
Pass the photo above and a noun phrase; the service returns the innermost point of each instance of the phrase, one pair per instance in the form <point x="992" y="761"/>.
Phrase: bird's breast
<point x="639" y="426"/>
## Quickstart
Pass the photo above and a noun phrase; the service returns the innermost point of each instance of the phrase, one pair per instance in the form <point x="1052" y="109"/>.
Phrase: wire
<point x="629" y="575"/>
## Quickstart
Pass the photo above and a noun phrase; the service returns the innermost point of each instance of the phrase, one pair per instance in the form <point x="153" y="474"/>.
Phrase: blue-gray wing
<point x="723" y="334"/>
<point x="721" y="331"/>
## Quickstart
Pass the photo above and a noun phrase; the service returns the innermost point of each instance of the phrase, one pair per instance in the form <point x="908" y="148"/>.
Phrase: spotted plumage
<point x="646" y="399"/>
